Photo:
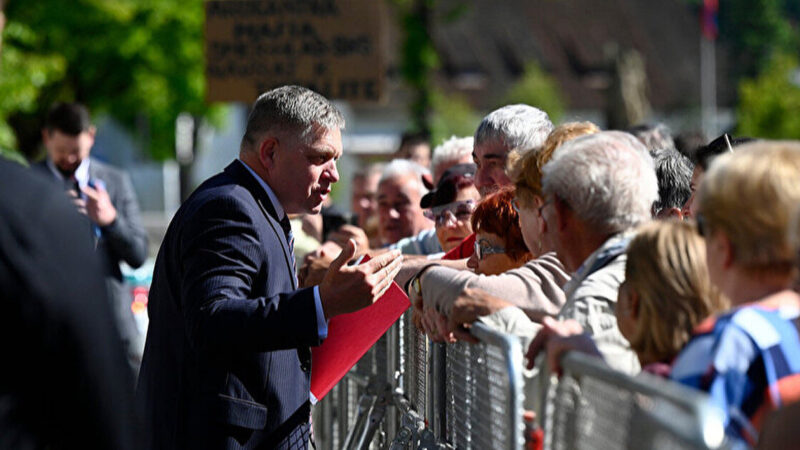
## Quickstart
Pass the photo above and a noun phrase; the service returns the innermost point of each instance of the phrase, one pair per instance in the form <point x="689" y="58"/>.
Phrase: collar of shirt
<point x="81" y="173"/>
<point x="611" y="248"/>
<point x="272" y="198"/>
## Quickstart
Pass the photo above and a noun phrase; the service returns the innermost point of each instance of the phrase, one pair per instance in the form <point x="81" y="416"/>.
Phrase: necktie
<point x="287" y="230"/>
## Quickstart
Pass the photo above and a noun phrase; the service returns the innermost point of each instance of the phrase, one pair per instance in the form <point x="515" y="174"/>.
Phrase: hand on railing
<point x="558" y="337"/>
<point x="435" y="326"/>
<point x="470" y="306"/>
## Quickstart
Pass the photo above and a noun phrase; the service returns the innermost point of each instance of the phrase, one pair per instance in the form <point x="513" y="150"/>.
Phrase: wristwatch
<point x="415" y="283"/>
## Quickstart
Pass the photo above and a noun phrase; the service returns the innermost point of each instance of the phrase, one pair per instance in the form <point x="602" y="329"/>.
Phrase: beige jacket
<point x="591" y="300"/>
<point x="536" y="287"/>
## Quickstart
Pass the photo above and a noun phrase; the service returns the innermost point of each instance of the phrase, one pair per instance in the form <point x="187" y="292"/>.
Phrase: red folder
<point x="349" y="338"/>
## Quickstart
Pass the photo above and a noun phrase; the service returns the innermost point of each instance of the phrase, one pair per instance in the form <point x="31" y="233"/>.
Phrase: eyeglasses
<point x="451" y="212"/>
<point x="543" y="205"/>
<point x="483" y="249"/>
<point x="516" y="207"/>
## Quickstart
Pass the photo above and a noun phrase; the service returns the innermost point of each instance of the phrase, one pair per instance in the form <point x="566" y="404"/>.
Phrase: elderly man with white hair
<point x="597" y="188"/>
<point x="401" y="222"/>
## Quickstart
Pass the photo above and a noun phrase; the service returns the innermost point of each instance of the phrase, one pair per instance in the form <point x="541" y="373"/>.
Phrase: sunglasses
<point x="484" y="249"/>
<point x="451" y="212"/>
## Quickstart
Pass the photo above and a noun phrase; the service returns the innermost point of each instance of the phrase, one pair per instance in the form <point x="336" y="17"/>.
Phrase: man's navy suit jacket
<point x="227" y="362"/>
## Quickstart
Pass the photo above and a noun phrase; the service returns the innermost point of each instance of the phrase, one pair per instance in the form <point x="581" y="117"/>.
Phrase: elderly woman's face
<point x="451" y="232"/>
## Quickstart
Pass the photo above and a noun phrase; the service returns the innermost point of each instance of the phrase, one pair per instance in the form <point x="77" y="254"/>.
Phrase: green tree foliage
<point x="453" y="116"/>
<point x="418" y="58"/>
<point x="769" y="104"/>
<point x="537" y="88"/>
<point x="139" y="61"/>
<point x="755" y="30"/>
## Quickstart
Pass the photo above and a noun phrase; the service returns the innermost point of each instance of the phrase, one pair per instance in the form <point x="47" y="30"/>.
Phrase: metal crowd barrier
<point x="594" y="406"/>
<point x="408" y="392"/>
<point x="484" y="392"/>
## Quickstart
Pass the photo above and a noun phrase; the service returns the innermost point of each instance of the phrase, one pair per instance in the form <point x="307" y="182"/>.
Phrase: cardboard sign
<point x="334" y="47"/>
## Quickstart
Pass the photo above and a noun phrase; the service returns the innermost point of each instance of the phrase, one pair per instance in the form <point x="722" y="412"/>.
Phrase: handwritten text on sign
<point x="334" y="47"/>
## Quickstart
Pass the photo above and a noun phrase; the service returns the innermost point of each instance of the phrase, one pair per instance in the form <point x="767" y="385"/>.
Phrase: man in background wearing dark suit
<point x="227" y="364"/>
<point x="106" y="197"/>
<point x="65" y="383"/>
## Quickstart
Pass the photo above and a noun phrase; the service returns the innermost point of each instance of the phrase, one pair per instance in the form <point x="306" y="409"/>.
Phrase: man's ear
<point x="91" y="132"/>
<point x="45" y="136"/>
<point x="267" y="149"/>
<point x="670" y="213"/>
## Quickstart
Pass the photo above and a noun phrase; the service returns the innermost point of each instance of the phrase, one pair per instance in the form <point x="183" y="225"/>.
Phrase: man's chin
<point x="67" y="173"/>
<point x="316" y="209"/>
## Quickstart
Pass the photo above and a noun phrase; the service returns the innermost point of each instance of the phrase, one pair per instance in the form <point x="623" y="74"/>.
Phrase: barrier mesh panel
<point x="415" y="346"/>
<point x="477" y="397"/>
<point x="589" y="413"/>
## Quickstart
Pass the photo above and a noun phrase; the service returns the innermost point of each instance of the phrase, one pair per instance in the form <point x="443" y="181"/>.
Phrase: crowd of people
<point x="615" y="243"/>
<point x="682" y="264"/>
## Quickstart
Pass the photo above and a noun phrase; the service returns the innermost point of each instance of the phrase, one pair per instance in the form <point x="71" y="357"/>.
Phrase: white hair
<point x="520" y="126"/>
<point x="607" y="179"/>
<point x="453" y="149"/>
<point x="404" y="167"/>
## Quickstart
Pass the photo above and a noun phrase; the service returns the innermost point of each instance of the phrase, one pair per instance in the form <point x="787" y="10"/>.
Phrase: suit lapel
<point x="245" y="178"/>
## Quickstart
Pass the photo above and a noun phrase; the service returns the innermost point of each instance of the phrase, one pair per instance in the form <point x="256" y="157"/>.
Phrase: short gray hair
<point x="606" y="178"/>
<point x="520" y="126"/>
<point x="674" y="175"/>
<point x="404" y="167"/>
<point x="452" y="149"/>
<point x="292" y="109"/>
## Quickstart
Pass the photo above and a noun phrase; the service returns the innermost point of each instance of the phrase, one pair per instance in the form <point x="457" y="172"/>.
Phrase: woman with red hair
<point x="499" y="246"/>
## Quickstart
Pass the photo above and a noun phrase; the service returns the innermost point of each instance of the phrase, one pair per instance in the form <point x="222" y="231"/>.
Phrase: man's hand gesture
<point x="98" y="205"/>
<point x="346" y="289"/>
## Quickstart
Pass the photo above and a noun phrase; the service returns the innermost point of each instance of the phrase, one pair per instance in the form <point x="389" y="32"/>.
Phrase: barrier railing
<point x="484" y="392"/>
<point x="594" y="406"/>
<point x="410" y="393"/>
<point x="407" y="392"/>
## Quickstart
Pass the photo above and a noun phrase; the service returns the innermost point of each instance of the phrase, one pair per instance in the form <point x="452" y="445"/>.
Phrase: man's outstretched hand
<point x="346" y="289"/>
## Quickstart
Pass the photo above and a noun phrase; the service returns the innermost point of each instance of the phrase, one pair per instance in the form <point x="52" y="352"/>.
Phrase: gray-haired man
<point x="511" y="127"/>
<point x="227" y="362"/>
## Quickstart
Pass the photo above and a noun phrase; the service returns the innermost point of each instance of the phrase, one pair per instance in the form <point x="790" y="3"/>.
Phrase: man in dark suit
<point x="106" y="197"/>
<point x="65" y="382"/>
<point x="227" y="361"/>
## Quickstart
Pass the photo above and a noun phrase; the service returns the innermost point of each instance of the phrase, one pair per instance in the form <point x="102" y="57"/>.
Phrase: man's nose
<point x="333" y="173"/>
<point x="394" y="213"/>
<point x="482" y="179"/>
